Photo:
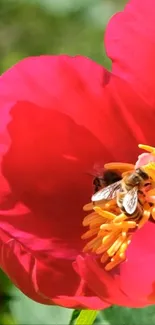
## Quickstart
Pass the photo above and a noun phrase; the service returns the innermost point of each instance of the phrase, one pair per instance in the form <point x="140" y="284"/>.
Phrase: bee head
<point x="133" y="179"/>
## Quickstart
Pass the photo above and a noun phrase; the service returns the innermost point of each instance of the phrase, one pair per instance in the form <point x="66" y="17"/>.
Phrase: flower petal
<point x="89" y="94"/>
<point x="125" y="286"/>
<point x="130" y="39"/>
<point x="92" y="302"/>
<point x="137" y="274"/>
<point x="102" y="283"/>
<point x="63" y="116"/>
<point x="62" y="133"/>
<point x="42" y="278"/>
<point x="46" y="167"/>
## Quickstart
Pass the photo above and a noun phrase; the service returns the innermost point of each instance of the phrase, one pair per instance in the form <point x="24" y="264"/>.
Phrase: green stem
<point x="86" y="317"/>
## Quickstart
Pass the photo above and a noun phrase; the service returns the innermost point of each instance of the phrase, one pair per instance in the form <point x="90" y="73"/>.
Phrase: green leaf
<point x="7" y="319"/>
<point x="26" y="311"/>
<point x="131" y="316"/>
<point x="75" y="314"/>
<point x="86" y="317"/>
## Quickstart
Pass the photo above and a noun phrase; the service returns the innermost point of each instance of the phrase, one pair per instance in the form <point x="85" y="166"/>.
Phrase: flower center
<point x="110" y="227"/>
<point x="110" y="232"/>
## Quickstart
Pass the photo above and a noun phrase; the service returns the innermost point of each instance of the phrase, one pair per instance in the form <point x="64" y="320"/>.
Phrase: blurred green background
<point x="34" y="27"/>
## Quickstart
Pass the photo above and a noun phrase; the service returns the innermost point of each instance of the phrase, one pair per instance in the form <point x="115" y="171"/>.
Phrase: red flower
<point x="59" y="117"/>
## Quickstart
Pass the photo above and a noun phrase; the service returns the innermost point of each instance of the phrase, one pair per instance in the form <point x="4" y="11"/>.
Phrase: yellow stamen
<point x="114" y="248"/>
<point x="97" y="223"/>
<point x="110" y="238"/>
<point x="120" y="166"/>
<point x="90" y="233"/>
<point x="107" y="241"/>
<point x="120" y="218"/>
<point x="147" y="148"/>
<point x="96" y="245"/>
<point x="119" y="257"/>
<point x="125" y="174"/>
<point x="145" y="218"/>
<point x="88" y="207"/>
<point x="123" y="247"/>
<point x="102" y="249"/>
<point x="119" y="225"/>
<point x="110" y="226"/>
<point x="92" y="216"/>
<point x="103" y="233"/>
<point x="109" y="204"/>
<point x="104" y="257"/>
<point x="104" y="205"/>
<point x="114" y="262"/>
<point x="153" y="213"/>
<point x="129" y="224"/>
<point x="104" y="214"/>
<point x="91" y="244"/>
<point x="110" y="229"/>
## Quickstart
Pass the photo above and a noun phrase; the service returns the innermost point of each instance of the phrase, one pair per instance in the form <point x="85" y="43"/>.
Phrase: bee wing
<point x="130" y="201"/>
<point x="108" y="192"/>
<point x="96" y="171"/>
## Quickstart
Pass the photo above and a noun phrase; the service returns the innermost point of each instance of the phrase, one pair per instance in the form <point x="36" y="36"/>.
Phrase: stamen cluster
<point x="110" y="229"/>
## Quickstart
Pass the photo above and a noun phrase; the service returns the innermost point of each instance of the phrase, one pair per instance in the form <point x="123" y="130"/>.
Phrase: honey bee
<point x="109" y="177"/>
<point x="129" y="192"/>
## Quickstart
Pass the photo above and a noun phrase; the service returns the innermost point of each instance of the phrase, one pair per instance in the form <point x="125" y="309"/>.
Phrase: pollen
<point x="109" y="227"/>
